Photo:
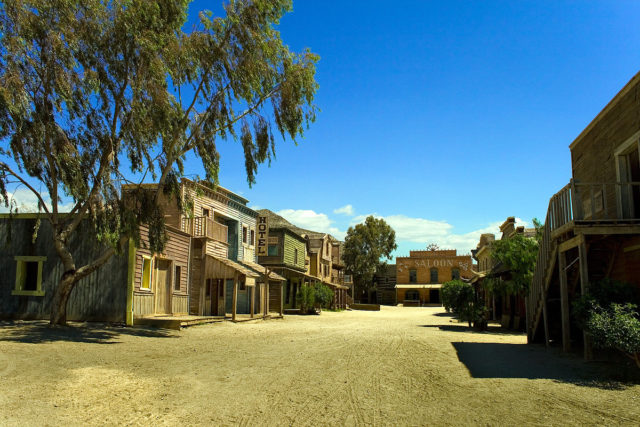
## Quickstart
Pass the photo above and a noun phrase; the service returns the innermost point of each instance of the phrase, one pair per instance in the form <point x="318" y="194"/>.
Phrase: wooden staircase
<point x="559" y="213"/>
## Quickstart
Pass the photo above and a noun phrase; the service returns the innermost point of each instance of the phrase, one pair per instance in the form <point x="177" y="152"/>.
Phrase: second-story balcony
<point x="203" y="226"/>
<point x="336" y="262"/>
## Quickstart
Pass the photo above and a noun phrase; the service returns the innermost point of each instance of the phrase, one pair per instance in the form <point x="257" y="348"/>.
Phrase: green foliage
<point x="616" y="327"/>
<point x="367" y="246"/>
<point x="458" y="298"/>
<point x="603" y="293"/>
<point x="323" y="295"/>
<point x="518" y="255"/>
<point x="610" y="314"/>
<point x="306" y="298"/>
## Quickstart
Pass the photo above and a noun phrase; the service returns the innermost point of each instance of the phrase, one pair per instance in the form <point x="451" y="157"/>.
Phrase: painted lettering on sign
<point x="263" y="235"/>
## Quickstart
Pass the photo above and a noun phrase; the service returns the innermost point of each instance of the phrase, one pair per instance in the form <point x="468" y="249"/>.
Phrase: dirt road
<point x="399" y="366"/>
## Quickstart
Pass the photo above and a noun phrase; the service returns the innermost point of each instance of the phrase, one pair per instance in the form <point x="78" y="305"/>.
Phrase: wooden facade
<point x="28" y="238"/>
<point x="592" y="227"/>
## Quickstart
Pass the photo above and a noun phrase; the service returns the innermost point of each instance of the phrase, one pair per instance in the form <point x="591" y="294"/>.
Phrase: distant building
<point x="420" y="275"/>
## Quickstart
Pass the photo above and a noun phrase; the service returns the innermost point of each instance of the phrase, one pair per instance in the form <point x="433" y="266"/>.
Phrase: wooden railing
<point x="203" y="226"/>
<point x="613" y="201"/>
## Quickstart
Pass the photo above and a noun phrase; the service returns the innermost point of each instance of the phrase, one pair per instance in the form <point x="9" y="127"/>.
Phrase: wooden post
<point x="281" y="300"/>
<point x="266" y="292"/>
<point x="584" y="285"/>
<point x="546" y="324"/>
<point x="234" y="308"/>
<point x="564" y="301"/>
<point x="253" y="300"/>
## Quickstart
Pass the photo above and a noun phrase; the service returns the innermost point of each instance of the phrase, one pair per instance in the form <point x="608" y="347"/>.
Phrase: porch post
<point x="546" y="324"/>
<point x="281" y="300"/>
<point x="564" y="302"/>
<point x="234" y="308"/>
<point x="584" y="284"/>
<point x="253" y="300"/>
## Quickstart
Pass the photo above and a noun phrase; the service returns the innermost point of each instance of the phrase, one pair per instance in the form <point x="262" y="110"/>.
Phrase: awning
<point x="260" y="270"/>
<point x="417" y="286"/>
<point x="226" y="265"/>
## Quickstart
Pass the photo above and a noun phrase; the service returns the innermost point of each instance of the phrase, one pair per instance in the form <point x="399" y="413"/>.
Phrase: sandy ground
<point x="399" y="366"/>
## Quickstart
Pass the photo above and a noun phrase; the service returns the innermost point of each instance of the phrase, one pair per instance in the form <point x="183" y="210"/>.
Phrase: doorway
<point x="434" y="296"/>
<point x="163" y="286"/>
<point x="629" y="173"/>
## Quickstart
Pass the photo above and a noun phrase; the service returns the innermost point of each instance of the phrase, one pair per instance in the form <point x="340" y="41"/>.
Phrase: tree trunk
<point x="60" y="299"/>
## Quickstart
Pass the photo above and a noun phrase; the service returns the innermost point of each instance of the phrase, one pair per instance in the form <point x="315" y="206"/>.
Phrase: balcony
<point x="336" y="262"/>
<point x="203" y="226"/>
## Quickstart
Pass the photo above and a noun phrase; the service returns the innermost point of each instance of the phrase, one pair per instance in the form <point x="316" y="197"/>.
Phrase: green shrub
<point x="323" y="295"/>
<point x="610" y="315"/>
<point x="458" y="298"/>
<point x="617" y="327"/>
<point x="306" y="298"/>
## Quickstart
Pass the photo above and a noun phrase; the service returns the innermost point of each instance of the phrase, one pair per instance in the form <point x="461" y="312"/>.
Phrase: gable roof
<point x="276" y="221"/>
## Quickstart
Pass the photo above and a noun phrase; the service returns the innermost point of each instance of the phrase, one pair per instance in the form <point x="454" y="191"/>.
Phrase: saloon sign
<point x="263" y="235"/>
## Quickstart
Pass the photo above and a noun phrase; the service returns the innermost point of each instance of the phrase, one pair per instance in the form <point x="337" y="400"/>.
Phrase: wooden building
<point x="509" y="310"/>
<point x="130" y="285"/>
<point x="592" y="227"/>
<point x="420" y="275"/>
<point x="226" y="279"/>
<point x="384" y="286"/>
<point x="316" y="265"/>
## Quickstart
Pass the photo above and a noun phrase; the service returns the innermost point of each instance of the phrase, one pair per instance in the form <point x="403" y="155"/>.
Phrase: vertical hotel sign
<point x="263" y="235"/>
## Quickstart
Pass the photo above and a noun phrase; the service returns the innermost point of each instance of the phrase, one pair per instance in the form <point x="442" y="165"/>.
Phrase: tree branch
<point x="19" y="178"/>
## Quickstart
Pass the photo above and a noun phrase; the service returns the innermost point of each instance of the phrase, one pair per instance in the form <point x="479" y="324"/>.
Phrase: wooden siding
<point x="102" y="296"/>
<point x="290" y="244"/>
<point x="275" y="295"/>
<point x="179" y="304"/>
<point x="216" y="249"/>
<point x="176" y="251"/>
<point x="592" y="156"/>
<point x="143" y="304"/>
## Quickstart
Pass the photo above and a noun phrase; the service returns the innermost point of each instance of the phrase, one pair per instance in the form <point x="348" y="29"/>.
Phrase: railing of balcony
<point x="203" y="226"/>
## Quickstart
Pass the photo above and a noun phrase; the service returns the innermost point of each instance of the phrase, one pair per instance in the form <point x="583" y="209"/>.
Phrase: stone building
<point x="420" y="276"/>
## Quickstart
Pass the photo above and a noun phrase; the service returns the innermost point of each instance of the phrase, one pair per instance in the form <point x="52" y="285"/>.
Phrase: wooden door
<point x="163" y="287"/>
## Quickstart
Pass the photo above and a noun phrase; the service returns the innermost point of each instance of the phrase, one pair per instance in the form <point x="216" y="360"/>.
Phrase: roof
<point x="277" y="221"/>
<point x="236" y="266"/>
<point x="626" y="89"/>
<point x="261" y="270"/>
<point x="418" y="286"/>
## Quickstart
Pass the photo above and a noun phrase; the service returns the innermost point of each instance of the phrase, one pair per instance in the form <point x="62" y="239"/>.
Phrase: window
<point x="243" y="286"/>
<point x="146" y="273"/>
<point x="272" y="250"/>
<point x="177" y="278"/>
<point x="205" y="212"/>
<point x="455" y="274"/>
<point x="434" y="275"/>
<point x="244" y="234"/>
<point x="29" y="275"/>
<point x="295" y="256"/>
<point x="413" y="276"/>
<point x="252" y="237"/>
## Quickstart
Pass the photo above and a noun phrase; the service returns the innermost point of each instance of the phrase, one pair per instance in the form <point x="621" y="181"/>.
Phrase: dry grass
<point x="410" y="366"/>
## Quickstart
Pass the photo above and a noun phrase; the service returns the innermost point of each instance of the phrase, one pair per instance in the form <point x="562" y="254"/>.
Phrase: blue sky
<point x="442" y="117"/>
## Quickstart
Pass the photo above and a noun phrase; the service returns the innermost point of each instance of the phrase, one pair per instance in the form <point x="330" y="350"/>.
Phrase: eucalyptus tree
<point x="367" y="246"/>
<point x="95" y="94"/>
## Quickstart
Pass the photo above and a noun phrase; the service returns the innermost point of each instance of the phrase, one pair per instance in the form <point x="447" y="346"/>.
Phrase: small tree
<point x="518" y="255"/>
<point x="458" y="297"/>
<point x="616" y="327"/>
<point x="306" y="298"/>
<point x="323" y="295"/>
<point x="367" y="246"/>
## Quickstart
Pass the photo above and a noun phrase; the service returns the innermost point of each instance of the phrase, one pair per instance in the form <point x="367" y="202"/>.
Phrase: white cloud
<point x="311" y="220"/>
<point x="26" y="201"/>
<point x="346" y="210"/>
<point x="255" y="207"/>
<point x="425" y="231"/>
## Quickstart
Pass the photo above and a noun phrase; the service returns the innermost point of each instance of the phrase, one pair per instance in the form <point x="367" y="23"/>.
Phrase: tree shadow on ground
<point x="443" y="314"/>
<point x="491" y="329"/>
<point x="36" y="332"/>
<point x="500" y="360"/>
